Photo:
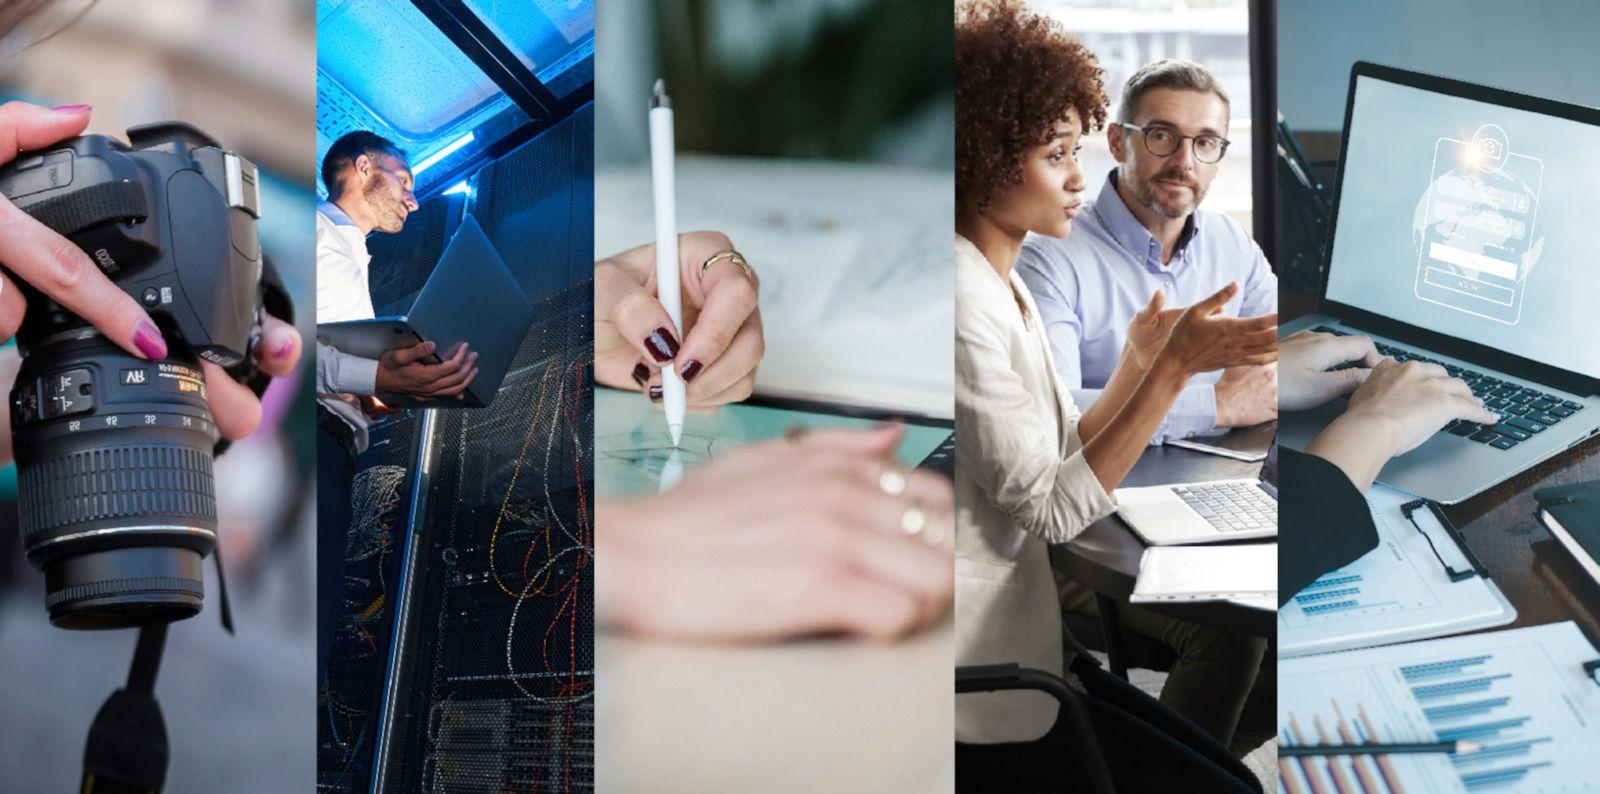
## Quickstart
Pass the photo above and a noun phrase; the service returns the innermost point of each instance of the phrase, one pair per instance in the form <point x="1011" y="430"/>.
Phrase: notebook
<point x="1572" y="514"/>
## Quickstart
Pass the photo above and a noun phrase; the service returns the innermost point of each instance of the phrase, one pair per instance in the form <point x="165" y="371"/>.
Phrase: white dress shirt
<point x="343" y="294"/>
<point x="1021" y="483"/>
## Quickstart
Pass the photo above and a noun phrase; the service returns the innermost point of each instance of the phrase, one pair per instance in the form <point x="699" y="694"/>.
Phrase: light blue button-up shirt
<point x="1091" y="283"/>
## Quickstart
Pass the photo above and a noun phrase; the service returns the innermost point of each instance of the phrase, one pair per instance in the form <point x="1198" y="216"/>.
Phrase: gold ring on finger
<point x="732" y="256"/>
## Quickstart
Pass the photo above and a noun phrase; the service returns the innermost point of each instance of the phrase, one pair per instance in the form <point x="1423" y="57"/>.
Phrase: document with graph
<point x="1529" y="697"/>
<point x="1417" y="584"/>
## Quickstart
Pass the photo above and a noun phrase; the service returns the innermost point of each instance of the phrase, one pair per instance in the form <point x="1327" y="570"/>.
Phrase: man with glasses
<point x="1145" y="232"/>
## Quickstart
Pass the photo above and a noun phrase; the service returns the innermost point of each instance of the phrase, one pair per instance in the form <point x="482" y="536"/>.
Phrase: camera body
<point x="170" y="217"/>
<point x="114" y="452"/>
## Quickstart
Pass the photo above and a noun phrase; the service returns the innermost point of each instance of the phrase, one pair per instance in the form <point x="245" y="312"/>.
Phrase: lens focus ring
<point x="116" y="482"/>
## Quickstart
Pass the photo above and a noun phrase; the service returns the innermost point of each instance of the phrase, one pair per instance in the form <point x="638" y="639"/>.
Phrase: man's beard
<point x="1145" y="194"/>
<point x="386" y="210"/>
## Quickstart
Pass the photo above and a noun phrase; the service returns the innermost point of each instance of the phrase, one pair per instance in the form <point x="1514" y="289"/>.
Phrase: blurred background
<point x="819" y="137"/>
<point x="1127" y="34"/>
<point x="237" y="708"/>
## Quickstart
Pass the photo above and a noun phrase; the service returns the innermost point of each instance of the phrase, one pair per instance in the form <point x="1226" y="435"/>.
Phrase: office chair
<point x="1005" y="766"/>
<point x="1123" y="649"/>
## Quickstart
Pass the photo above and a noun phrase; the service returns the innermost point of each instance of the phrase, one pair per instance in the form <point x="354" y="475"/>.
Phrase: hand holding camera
<point x="133" y="282"/>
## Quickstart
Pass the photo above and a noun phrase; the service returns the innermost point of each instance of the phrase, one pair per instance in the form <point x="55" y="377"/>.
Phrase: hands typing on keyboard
<point x="1523" y="410"/>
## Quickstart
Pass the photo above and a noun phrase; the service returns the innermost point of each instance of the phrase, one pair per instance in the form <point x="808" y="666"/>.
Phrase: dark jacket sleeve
<point x="1323" y="522"/>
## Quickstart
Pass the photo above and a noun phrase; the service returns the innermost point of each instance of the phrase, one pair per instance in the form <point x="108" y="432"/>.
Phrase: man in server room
<point x="369" y="186"/>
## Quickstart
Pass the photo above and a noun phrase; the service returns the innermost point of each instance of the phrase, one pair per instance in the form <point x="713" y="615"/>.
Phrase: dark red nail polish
<point x="641" y="374"/>
<point x="655" y="394"/>
<point x="72" y="108"/>
<point x="148" y="339"/>
<point x="691" y="369"/>
<point x="663" y="346"/>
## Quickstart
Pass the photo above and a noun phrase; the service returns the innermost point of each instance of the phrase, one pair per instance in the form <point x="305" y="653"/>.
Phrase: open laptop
<point x="470" y="297"/>
<point x="1205" y="512"/>
<point x="1462" y="234"/>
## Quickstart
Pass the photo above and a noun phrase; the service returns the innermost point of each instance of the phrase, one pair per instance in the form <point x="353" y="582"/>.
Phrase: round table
<point x="1105" y="556"/>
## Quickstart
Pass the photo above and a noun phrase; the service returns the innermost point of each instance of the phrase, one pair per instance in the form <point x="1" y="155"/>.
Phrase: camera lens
<point x="117" y="502"/>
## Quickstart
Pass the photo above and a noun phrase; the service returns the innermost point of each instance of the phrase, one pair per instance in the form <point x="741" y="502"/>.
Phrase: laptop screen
<point x="1269" y="468"/>
<point x="1470" y="219"/>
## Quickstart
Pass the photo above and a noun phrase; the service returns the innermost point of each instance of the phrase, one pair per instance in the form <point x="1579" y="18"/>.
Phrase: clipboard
<point x="1422" y="581"/>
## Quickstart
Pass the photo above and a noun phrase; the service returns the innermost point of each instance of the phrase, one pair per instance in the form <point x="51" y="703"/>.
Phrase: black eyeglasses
<point x="1161" y="141"/>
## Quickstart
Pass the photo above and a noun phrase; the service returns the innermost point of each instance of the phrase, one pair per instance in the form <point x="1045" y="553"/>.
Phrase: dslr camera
<point x="114" y="452"/>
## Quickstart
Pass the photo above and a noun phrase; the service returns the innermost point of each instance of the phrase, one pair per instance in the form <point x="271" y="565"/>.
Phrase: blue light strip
<point x="449" y="149"/>
<point x="460" y="187"/>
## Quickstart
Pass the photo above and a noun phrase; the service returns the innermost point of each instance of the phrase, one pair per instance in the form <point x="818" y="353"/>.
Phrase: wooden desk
<point x="816" y="715"/>
<point x="1534" y="571"/>
<point x="1105" y="557"/>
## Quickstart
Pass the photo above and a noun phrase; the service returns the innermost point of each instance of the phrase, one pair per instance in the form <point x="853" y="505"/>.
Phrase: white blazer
<point x="1021" y="483"/>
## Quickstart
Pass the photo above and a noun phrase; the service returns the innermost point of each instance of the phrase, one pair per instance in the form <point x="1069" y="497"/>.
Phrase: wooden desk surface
<point x="1105" y="557"/>
<point x="816" y="715"/>
<point x="1536" y="574"/>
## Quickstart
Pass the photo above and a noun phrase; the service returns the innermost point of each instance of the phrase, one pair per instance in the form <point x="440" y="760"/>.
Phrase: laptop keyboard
<point x="1524" y="411"/>
<point x="1231" y="506"/>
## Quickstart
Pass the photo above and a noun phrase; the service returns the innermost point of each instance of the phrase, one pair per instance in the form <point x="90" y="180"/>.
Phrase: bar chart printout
<point x="1522" y="694"/>
<point x="1399" y="591"/>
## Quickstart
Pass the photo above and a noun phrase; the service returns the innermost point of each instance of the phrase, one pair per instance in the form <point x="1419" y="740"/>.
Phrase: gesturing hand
<point x="1149" y="329"/>
<point x="1202" y="340"/>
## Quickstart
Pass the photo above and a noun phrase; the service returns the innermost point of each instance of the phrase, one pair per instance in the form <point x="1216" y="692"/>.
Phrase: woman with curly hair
<point x="1032" y="470"/>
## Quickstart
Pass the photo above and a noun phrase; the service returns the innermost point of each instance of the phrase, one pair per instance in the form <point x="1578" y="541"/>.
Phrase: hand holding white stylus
<point x="669" y="288"/>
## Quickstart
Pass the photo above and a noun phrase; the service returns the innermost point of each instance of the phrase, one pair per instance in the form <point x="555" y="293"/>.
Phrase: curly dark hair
<point x="1017" y="74"/>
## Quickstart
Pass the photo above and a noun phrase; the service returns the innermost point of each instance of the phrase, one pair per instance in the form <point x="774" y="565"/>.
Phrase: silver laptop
<point x="1204" y="512"/>
<point x="1462" y="235"/>
<point x="470" y="297"/>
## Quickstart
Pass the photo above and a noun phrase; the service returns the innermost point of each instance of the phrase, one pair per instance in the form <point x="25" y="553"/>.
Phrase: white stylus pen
<point x="668" y="286"/>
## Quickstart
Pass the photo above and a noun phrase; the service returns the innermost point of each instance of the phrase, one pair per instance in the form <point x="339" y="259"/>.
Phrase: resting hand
<point x="1247" y="395"/>
<point x="634" y="337"/>
<point x="780" y="539"/>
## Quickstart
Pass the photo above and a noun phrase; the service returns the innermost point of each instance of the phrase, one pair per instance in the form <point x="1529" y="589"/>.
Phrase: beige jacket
<point x="1021" y="483"/>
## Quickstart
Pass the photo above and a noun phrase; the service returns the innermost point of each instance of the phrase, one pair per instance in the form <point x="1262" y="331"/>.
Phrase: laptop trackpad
<point x="1155" y="514"/>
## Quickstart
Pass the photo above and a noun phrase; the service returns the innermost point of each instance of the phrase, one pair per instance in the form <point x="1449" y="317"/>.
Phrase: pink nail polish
<point x="72" y="108"/>
<point x="282" y="351"/>
<point x="148" y="339"/>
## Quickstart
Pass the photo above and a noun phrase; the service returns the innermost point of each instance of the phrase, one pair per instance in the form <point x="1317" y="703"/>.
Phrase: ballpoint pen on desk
<point x="668" y="287"/>
<point x="1460" y="747"/>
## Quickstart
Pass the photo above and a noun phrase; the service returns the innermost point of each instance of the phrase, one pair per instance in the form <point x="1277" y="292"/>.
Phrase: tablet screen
<point x="632" y="445"/>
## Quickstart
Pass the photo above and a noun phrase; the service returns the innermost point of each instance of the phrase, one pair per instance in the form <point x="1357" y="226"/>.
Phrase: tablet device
<point x="470" y="297"/>
<point x="632" y="445"/>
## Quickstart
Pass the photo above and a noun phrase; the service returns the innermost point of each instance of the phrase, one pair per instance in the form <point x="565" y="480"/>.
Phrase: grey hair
<point x="1178" y="75"/>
